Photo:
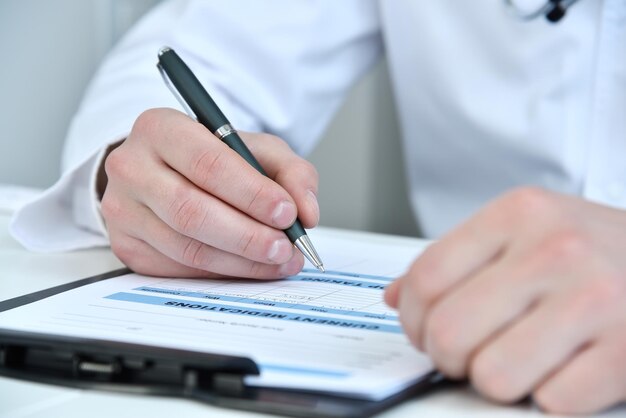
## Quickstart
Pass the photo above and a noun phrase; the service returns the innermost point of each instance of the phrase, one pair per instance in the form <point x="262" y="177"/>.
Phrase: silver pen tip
<point x="306" y="247"/>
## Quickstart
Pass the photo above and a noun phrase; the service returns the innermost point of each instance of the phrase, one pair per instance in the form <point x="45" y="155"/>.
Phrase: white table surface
<point x="24" y="272"/>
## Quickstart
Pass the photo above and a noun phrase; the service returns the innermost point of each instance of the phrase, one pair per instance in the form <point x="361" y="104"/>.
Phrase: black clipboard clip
<point x="120" y="366"/>
<point x="149" y="370"/>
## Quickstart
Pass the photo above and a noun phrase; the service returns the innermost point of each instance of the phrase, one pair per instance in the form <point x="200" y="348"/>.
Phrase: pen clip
<point x="175" y="92"/>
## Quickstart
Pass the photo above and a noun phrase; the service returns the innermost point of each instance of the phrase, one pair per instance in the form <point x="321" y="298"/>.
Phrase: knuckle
<point x="259" y="195"/>
<point x="605" y="290"/>
<point x="528" y="202"/>
<point x="110" y="208"/>
<point x="574" y="390"/>
<point x="550" y="401"/>
<point x="147" y="122"/>
<point x="247" y="243"/>
<point x="610" y="292"/>
<point x="494" y="379"/>
<point x="424" y="281"/>
<point x="307" y="169"/>
<point x="274" y="140"/>
<point x="443" y="336"/>
<point x="187" y="214"/>
<point x="560" y="249"/>
<point x="194" y="254"/>
<point x="126" y="251"/>
<point x="597" y="297"/>
<point x="209" y="165"/>
<point x="116" y="165"/>
<point x="257" y="270"/>
<point x="529" y="196"/>
<point x="565" y="245"/>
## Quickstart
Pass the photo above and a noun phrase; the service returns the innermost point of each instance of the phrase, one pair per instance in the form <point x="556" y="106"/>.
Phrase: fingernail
<point x="284" y="214"/>
<point x="280" y="251"/>
<point x="291" y="267"/>
<point x="314" y="205"/>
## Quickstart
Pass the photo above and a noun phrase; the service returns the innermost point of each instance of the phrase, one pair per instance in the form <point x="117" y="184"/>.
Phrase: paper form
<point x="327" y="332"/>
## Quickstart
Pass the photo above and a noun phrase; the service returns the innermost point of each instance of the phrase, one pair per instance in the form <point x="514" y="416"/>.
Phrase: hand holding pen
<point x="199" y="104"/>
<point x="180" y="202"/>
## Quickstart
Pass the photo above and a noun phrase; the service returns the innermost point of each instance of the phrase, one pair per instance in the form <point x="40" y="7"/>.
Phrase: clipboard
<point x="216" y="379"/>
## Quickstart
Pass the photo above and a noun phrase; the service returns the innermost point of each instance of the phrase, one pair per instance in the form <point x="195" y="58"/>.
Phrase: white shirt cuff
<point x="86" y="202"/>
<point x="66" y="216"/>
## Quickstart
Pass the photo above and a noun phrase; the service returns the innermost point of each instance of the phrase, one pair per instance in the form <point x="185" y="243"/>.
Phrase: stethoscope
<point x="553" y="10"/>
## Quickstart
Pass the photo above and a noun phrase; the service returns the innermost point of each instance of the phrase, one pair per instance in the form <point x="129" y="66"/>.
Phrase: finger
<point x="592" y="381"/>
<point x="466" y="317"/>
<point x="524" y="354"/>
<point x="392" y="293"/>
<point x="197" y="255"/>
<point x="457" y="255"/>
<point x="431" y="276"/>
<point x="411" y="312"/>
<point x="190" y="149"/>
<point x="298" y="176"/>
<point x="144" y="259"/>
<point x="196" y="214"/>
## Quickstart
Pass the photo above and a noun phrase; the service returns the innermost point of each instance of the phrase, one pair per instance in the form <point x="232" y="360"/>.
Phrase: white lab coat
<point x="486" y="102"/>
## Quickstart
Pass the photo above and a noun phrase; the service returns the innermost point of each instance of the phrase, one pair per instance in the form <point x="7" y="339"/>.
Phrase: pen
<point x="199" y="105"/>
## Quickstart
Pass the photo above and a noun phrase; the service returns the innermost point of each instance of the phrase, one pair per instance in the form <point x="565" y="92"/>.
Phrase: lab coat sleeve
<point x="278" y="66"/>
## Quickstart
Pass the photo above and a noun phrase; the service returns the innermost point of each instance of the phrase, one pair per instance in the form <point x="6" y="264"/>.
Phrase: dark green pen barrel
<point x="295" y="231"/>
<point x="196" y="96"/>
<point x="236" y="143"/>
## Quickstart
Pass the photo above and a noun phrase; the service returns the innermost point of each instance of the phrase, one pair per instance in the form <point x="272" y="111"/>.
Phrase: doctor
<point x="515" y="142"/>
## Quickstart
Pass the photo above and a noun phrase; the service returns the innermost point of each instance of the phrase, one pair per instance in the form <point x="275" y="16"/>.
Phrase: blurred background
<point x="50" y="49"/>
